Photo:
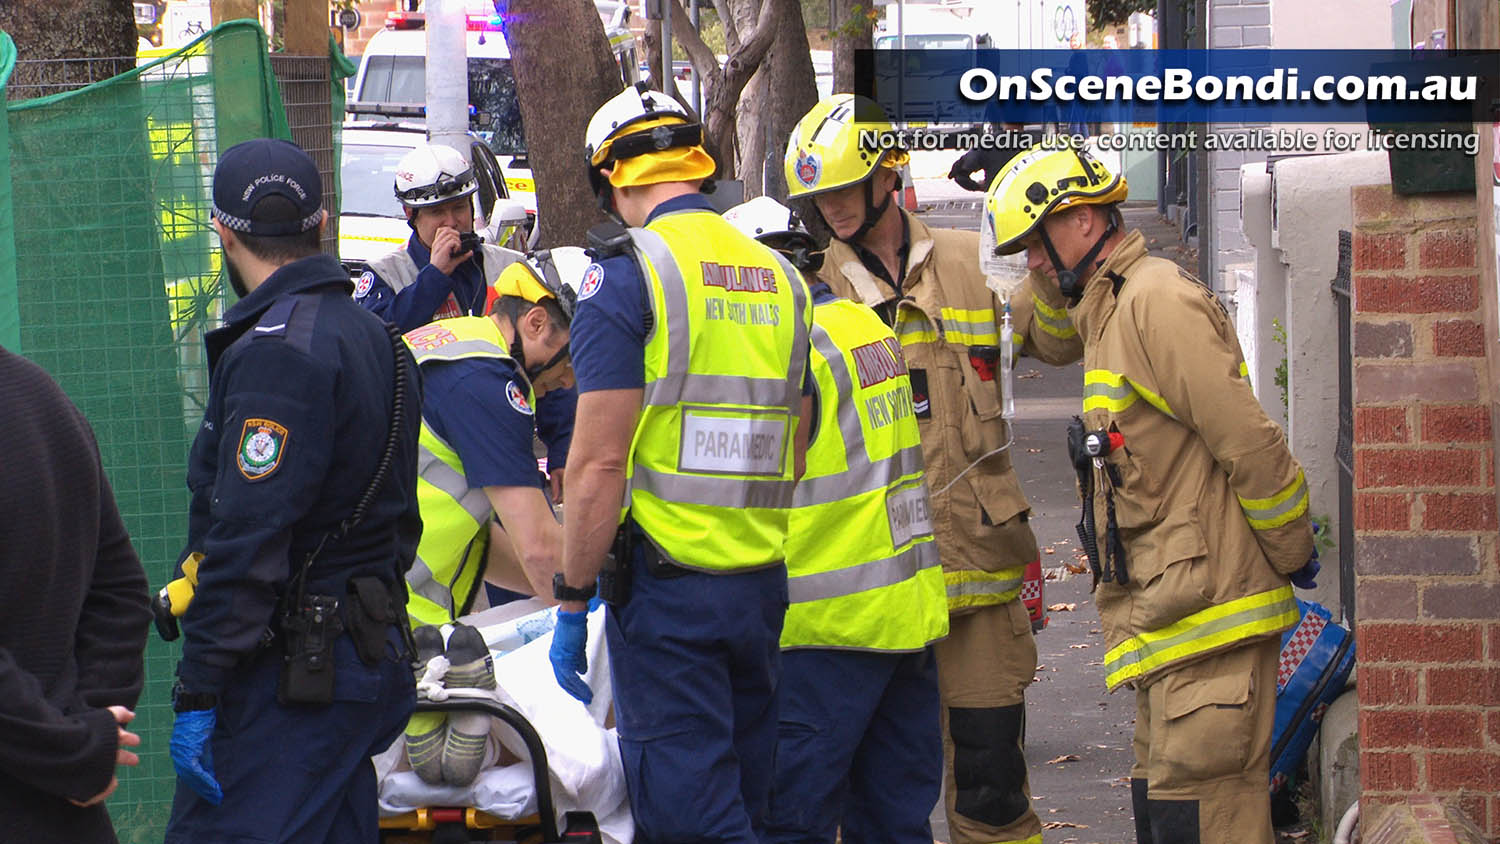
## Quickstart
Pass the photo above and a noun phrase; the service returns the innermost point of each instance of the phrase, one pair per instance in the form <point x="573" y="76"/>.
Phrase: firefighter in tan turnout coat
<point x="1198" y="507"/>
<point x="926" y="283"/>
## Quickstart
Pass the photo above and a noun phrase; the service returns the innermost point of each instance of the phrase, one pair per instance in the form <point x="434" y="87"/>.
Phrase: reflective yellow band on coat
<point x="1244" y="370"/>
<point x="974" y="588"/>
<point x="1054" y="321"/>
<point x="1105" y="390"/>
<point x="970" y="327"/>
<point x="914" y="330"/>
<point x="1205" y="630"/>
<point x="1283" y="507"/>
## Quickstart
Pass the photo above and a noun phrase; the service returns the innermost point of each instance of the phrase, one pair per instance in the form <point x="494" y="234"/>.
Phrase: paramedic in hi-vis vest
<point x="481" y="376"/>
<point x="859" y="749"/>
<point x="691" y="349"/>
<point x="1197" y="507"/>
<point x="927" y="285"/>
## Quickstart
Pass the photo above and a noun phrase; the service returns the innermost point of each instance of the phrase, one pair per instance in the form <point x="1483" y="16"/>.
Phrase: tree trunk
<point x="559" y="90"/>
<point x="783" y="89"/>
<point x="724" y="85"/>
<point x="68" y="29"/>
<point x="853" y="29"/>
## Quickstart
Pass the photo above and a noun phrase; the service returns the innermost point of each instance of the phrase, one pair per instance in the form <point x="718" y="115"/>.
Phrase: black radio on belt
<point x="308" y="633"/>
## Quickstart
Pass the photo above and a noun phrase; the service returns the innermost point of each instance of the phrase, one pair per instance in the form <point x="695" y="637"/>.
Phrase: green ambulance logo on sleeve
<point x="262" y="442"/>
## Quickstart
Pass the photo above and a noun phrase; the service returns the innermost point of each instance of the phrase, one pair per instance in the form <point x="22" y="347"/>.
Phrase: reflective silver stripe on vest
<point x="433" y="470"/>
<point x="459" y="349"/>
<point x="863" y="577"/>
<point x="973" y="588"/>
<point x="419" y="579"/>
<point x="679" y="385"/>
<point x="715" y="492"/>
<point x="399" y="270"/>
<point x="867" y="475"/>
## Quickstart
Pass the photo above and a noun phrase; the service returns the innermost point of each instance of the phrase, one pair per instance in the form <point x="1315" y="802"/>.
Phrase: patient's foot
<point x="470" y="667"/>
<point x="426" y="731"/>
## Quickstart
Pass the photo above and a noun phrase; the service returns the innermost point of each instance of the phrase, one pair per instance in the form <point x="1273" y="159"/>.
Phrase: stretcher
<point x="553" y="771"/>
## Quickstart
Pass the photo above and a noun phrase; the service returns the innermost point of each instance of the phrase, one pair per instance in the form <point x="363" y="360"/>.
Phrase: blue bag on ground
<point x="1316" y="658"/>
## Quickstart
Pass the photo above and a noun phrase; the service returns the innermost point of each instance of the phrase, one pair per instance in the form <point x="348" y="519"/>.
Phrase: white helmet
<point x="634" y="105"/>
<point x="778" y="227"/>
<point x="432" y="174"/>
<point x="557" y="273"/>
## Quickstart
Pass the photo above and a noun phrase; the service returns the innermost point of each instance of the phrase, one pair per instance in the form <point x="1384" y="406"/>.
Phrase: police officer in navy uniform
<point x="304" y="385"/>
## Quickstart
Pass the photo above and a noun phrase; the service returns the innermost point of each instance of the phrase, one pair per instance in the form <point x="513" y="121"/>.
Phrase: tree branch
<point x="702" y="57"/>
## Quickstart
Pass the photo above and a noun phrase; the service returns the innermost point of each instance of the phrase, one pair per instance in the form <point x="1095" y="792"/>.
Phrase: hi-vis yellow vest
<point x="710" y="471"/>
<point x="455" y="516"/>
<point x="862" y="567"/>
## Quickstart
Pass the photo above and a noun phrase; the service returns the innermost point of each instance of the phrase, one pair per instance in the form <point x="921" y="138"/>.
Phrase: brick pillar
<point x="372" y="20"/>
<point x="1425" y="511"/>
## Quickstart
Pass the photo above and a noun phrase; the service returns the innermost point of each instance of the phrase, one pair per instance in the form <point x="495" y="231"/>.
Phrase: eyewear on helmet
<point x="656" y="140"/>
<point x="452" y="184"/>
<point x="567" y="297"/>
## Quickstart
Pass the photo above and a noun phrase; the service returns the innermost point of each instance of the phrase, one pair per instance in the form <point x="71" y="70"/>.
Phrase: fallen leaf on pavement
<point x="1066" y="757"/>
<point x="1032" y="374"/>
<point x="1033" y="451"/>
<point x="1048" y="549"/>
<point x="1062" y="607"/>
<point x="1063" y="825"/>
<point x="1079" y="646"/>
<point x="1076" y="569"/>
<point x="1301" y="833"/>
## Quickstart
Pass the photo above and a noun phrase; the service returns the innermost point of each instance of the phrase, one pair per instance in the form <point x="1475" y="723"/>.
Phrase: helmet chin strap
<point x="873" y="213"/>
<point x="1070" y="281"/>
<point x="518" y="354"/>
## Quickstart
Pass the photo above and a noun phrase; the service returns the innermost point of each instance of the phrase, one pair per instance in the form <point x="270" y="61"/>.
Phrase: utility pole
<point x="447" y="75"/>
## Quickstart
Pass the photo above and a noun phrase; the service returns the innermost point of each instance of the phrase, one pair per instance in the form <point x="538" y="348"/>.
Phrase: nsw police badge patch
<point x="262" y="442"/>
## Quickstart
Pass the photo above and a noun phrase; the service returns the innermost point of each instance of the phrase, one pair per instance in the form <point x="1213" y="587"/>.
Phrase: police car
<point x="372" y="222"/>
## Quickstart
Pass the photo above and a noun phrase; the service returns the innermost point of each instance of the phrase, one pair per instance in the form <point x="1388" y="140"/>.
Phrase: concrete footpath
<point x="1078" y="735"/>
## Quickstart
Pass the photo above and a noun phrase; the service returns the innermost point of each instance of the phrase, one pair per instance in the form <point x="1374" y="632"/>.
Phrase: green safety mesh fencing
<point x="110" y="275"/>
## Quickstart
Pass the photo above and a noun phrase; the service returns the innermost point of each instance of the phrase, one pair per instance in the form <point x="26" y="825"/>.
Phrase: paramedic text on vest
<point x="691" y="354"/>
<point x="859" y="750"/>
<point x="302" y="396"/>
<point x="1192" y="562"/>
<point x="927" y="285"/>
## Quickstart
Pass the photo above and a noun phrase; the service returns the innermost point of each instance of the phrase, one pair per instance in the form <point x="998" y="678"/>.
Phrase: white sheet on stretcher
<point x="582" y="756"/>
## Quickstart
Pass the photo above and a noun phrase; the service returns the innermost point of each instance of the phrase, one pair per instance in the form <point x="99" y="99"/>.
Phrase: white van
<point x="392" y="73"/>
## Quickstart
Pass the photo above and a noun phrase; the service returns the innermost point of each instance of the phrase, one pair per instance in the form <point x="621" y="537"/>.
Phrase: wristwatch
<point x="186" y="701"/>
<point x="563" y="592"/>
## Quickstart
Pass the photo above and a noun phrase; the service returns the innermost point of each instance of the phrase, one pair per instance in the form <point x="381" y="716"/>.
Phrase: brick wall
<point x="1427" y="598"/>
<point x="372" y="20"/>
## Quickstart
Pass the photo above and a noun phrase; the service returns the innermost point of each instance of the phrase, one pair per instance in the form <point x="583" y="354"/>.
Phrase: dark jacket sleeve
<point x="68" y="754"/>
<point x="111" y="639"/>
<point x="247" y="544"/>
<point x="554" y="424"/>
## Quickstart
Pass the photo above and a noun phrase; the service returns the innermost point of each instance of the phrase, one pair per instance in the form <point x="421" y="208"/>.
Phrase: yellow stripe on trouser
<point x="1054" y="321"/>
<point x="1203" y="631"/>
<point x="1285" y="506"/>
<point x="974" y="588"/>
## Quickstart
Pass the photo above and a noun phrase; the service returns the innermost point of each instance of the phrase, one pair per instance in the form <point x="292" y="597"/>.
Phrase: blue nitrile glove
<point x="595" y="603"/>
<point x="568" y="658"/>
<point x="1305" y="577"/>
<point x="192" y="755"/>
